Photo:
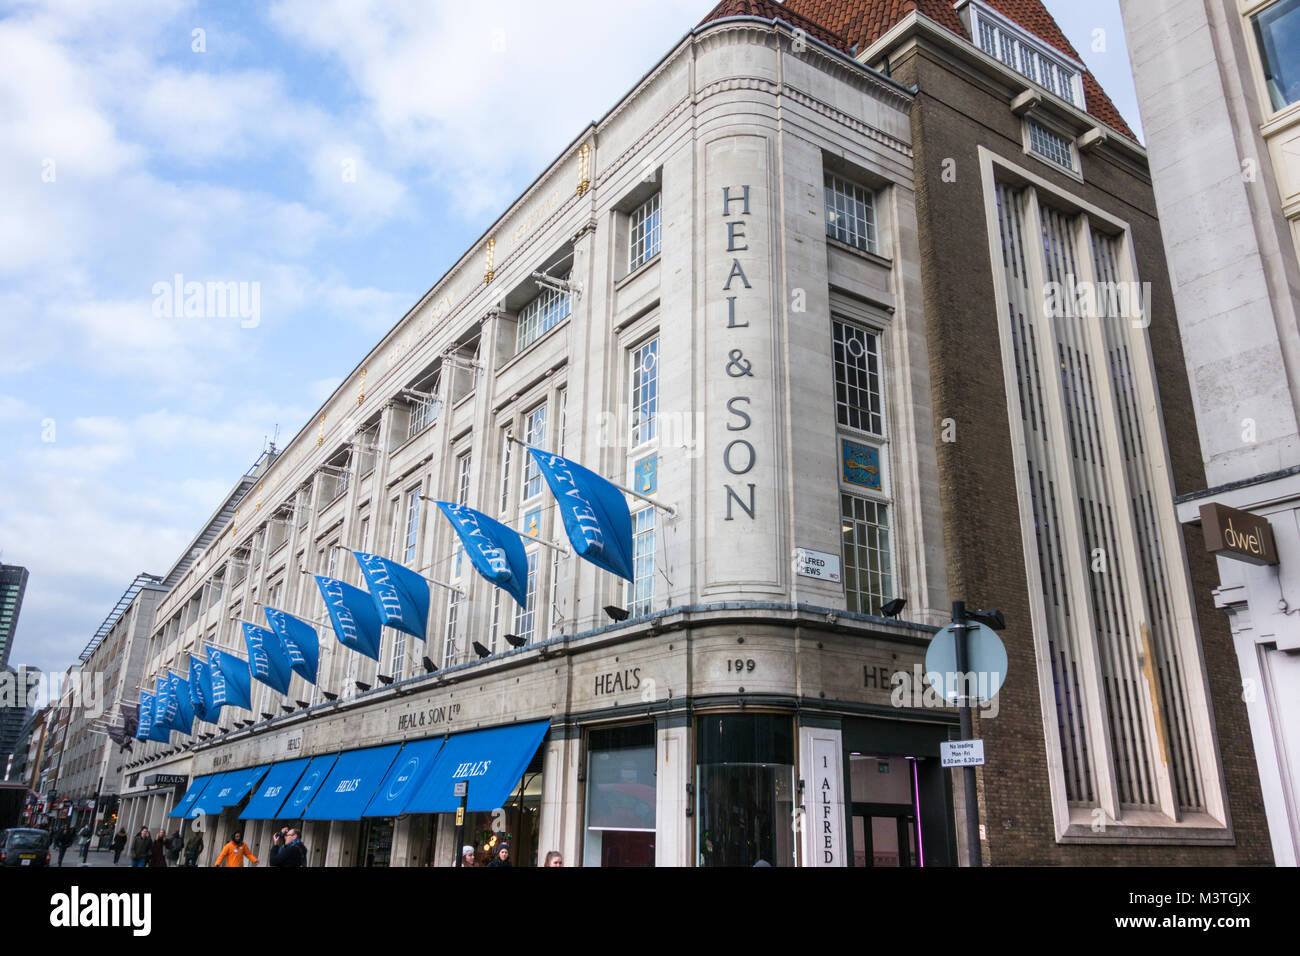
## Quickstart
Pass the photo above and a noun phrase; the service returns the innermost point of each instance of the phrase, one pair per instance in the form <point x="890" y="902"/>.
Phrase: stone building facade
<point x="1220" y="98"/>
<point x="750" y="292"/>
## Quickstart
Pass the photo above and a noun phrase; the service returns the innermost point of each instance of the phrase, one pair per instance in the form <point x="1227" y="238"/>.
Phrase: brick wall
<point x="951" y="118"/>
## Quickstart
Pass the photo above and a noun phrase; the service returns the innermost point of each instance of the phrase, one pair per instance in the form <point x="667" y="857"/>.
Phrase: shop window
<point x="620" y="826"/>
<point x="745" y="787"/>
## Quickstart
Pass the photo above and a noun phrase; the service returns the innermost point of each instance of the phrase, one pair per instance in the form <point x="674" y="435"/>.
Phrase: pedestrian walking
<point x="141" y="847"/>
<point x="119" y="844"/>
<point x="83" y="838"/>
<point x="158" y="850"/>
<point x="193" y="847"/>
<point x="63" y="841"/>
<point x="502" y="857"/>
<point x="234" y="852"/>
<point x="175" y="843"/>
<point x="288" y="848"/>
<point x="554" y="858"/>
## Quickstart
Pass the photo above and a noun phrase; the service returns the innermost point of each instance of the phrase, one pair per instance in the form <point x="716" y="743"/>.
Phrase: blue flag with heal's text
<point x="267" y="660"/>
<point x="594" y="510"/>
<point x="300" y="642"/>
<point x="145" y="721"/>
<point x="201" y="691"/>
<point x="229" y="678"/>
<point x="497" y="552"/>
<point x="401" y="596"/>
<point x="160" y="730"/>
<point x="166" y="708"/>
<point x="353" y="614"/>
<point x="184" y="709"/>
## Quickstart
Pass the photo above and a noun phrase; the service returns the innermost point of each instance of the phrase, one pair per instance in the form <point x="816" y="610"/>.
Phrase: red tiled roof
<point x="771" y="10"/>
<point x="1033" y="16"/>
<point x="862" y="22"/>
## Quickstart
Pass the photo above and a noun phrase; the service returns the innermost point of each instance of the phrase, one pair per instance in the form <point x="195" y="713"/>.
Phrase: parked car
<point x="24" y="847"/>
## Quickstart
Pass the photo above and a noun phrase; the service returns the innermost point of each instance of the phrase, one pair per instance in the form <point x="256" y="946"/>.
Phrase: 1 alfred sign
<point x="1230" y="533"/>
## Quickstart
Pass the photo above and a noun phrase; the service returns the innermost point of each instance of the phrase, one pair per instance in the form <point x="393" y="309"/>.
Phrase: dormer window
<point x="1026" y="54"/>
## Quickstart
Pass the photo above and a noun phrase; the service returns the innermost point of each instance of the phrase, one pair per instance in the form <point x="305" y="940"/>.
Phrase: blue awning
<point x="228" y="789"/>
<point x="210" y="800"/>
<point x="404" y="778"/>
<point x="308" y="784"/>
<point x="351" y="784"/>
<point x="491" y="760"/>
<point x="186" y="803"/>
<point x="275" y="790"/>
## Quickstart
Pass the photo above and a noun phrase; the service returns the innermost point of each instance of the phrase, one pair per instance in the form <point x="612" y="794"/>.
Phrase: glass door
<point x="883" y="809"/>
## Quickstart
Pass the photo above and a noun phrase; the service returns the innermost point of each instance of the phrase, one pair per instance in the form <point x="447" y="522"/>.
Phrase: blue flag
<point x="166" y="709"/>
<point x="356" y="622"/>
<point x="595" y="512"/>
<point x="184" y="708"/>
<point x="401" y="596"/>
<point x="145" y="722"/>
<point x="201" y="691"/>
<point x="496" y="551"/>
<point x="229" y="677"/>
<point x="267" y="660"/>
<point x="300" y="642"/>
<point x="160" y="729"/>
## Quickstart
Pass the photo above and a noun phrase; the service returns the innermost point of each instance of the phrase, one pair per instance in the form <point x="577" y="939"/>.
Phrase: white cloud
<point x="473" y="93"/>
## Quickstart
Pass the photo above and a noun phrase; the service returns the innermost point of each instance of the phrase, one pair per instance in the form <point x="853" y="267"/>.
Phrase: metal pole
<point x="460" y="829"/>
<point x="669" y="509"/>
<point x="527" y="537"/>
<point x="94" y="812"/>
<point x="960" y="630"/>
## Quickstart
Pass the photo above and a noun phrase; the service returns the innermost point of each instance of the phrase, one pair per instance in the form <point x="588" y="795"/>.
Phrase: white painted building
<point x="1219" y="86"/>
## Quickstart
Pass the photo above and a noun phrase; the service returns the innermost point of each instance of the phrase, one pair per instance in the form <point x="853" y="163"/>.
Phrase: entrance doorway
<point x="884" y="835"/>
<point x="376" y="841"/>
<point x="885" y="828"/>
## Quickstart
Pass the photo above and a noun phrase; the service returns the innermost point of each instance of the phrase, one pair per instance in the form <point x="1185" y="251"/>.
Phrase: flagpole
<point x="527" y="537"/>
<point x="441" y="584"/>
<point x="671" y="511"/>
<point x="309" y="620"/>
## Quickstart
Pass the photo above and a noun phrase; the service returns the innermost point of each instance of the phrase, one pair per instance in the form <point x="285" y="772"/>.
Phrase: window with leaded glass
<point x="859" y="401"/>
<point x="644" y="232"/>
<point x="535" y="435"/>
<point x="850" y="213"/>
<point x="868" y="568"/>
<point x="642" y="588"/>
<point x="645" y="392"/>
<point x="542" y="314"/>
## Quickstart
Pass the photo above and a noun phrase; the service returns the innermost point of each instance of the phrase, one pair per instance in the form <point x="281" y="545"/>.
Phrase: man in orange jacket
<point x="233" y="853"/>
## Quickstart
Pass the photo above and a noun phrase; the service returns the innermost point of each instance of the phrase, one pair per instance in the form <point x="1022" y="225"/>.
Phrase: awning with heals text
<point x="404" y="777"/>
<point x="228" y="789"/>
<point x="307" y="786"/>
<point x="491" y="761"/>
<point x="273" y="792"/>
<point x="186" y="803"/>
<point x="349" y="786"/>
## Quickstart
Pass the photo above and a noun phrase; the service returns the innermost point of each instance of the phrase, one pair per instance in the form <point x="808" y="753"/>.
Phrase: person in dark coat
<point x="158" y="850"/>
<point x="119" y="844"/>
<point x="193" y="847"/>
<point x="175" y="843"/>
<point x="63" y="841"/>
<point x="288" y="848"/>
<point x="502" y="857"/>
<point x="141" y="848"/>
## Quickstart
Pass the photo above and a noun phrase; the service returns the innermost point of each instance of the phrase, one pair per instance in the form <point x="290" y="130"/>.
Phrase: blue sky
<point x="339" y="153"/>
